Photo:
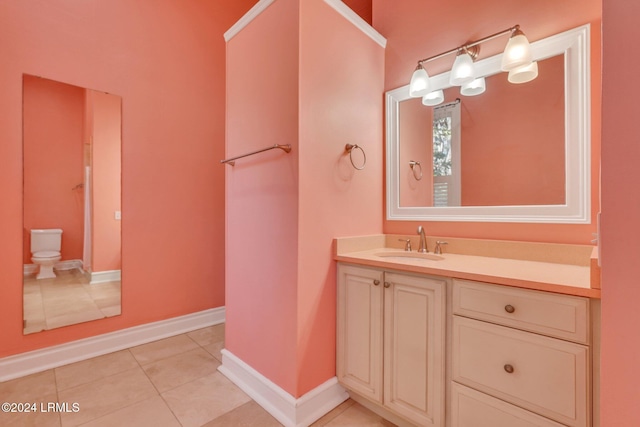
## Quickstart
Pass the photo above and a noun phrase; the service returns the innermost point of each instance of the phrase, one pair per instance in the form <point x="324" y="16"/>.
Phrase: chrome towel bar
<point x="284" y="147"/>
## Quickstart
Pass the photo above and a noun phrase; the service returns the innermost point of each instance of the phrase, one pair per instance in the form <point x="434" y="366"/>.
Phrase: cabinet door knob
<point x="508" y="368"/>
<point x="509" y="308"/>
<point x="376" y="282"/>
<point x="387" y="284"/>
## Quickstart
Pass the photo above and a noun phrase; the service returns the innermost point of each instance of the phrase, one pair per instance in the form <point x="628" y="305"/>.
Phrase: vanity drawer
<point x="560" y="316"/>
<point x="544" y="375"/>
<point x="470" y="408"/>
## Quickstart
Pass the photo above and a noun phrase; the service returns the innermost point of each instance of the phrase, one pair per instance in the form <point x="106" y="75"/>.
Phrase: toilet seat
<point x="46" y="255"/>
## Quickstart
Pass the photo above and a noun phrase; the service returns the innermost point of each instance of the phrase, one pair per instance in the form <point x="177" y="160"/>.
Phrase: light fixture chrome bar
<point x="468" y="45"/>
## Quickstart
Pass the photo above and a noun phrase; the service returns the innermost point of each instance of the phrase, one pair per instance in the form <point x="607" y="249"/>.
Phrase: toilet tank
<point x="49" y="239"/>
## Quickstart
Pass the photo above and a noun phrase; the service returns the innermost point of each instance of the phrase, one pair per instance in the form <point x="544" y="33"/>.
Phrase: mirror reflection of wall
<point x="72" y="211"/>
<point x="512" y="143"/>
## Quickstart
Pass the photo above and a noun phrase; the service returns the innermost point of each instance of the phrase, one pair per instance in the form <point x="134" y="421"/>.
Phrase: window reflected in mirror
<point x="71" y="204"/>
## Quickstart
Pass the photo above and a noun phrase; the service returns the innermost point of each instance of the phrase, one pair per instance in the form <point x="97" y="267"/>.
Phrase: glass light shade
<point x="523" y="74"/>
<point x="517" y="53"/>
<point x="433" y="98"/>
<point x="419" y="85"/>
<point x="476" y="87"/>
<point x="462" y="71"/>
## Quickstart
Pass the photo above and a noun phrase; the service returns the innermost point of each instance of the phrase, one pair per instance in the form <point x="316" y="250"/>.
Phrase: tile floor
<point x="173" y="382"/>
<point x="66" y="300"/>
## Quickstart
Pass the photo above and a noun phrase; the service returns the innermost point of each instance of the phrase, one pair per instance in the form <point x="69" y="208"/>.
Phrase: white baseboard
<point x="69" y="264"/>
<point x="29" y="269"/>
<point x="289" y="411"/>
<point x="51" y="357"/>
<point x="104" y="276"/>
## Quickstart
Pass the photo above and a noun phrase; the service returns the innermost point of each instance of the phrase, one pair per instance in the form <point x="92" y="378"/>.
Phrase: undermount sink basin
<point x="410" y="255"/>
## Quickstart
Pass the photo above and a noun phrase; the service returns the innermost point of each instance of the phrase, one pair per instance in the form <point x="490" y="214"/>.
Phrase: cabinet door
<point x="359" y="330"/>
<point x="414" y="335"/>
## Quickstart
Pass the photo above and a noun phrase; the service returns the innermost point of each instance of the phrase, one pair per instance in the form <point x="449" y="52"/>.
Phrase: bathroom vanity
<point x="487" y="334"/>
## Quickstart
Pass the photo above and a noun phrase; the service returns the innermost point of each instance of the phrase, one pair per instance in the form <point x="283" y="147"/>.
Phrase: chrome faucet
<point x="423" y="241"/>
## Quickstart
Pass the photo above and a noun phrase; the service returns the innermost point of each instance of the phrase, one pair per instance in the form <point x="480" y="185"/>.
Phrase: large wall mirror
<point x="515" y="153"/>
<point x="71" y="204"/>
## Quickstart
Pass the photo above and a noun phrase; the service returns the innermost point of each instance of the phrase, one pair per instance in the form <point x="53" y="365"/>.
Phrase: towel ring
<point x="412" y="165"/>
<point x="349" y="148"/>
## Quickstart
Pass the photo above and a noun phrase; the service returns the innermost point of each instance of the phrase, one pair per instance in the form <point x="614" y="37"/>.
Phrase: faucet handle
<point x="407" y="244"/>
<point x="438" y="249"/>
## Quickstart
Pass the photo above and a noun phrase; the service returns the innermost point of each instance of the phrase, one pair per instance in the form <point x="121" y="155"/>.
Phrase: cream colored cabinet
<point x="519" y="357"/>
<point x="359" y="331"/>
<point x="390" y="347"/>
<point x="473" y="408"/>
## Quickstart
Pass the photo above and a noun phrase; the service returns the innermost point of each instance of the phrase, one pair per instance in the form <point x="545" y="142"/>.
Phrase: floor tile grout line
<point x="172" y="388"/>
<point x="171" y="409"/>
<point x="55" y="382"/>
<point x="138" y="365"/>
<point x="165" y="357"/>
<point x="161" y="394"/>
<point x="118" y="409"/>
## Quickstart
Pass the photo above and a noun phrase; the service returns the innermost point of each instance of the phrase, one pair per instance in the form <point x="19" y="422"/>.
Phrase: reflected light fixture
<point x="433" y="98"/>
<point x="475" y="87"/>
<point x="517" y="54"/>
<point x="524" y="73"/>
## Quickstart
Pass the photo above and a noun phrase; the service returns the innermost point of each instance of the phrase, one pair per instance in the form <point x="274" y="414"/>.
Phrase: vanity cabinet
<point x="519" y="357"/>
<point x="493" y="355"/>
<point x="391" y="341"/>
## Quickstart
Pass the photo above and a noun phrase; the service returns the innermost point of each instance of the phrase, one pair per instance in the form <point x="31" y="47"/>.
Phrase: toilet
<point x="45" y="250"/>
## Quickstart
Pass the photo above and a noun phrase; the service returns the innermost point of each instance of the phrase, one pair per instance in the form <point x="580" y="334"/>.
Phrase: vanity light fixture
<point x="433" y="98"/>
<point x="462" y="71"/>
<point x="523" y="74"/>
<point x="475" y="87"/>
<point x="516" y="54"/>
<point x="419" y="82"/>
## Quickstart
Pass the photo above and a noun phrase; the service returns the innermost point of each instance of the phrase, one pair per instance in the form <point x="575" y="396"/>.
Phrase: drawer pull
<point x="509" y="308"/>
<point x="376" y="282"/>
<point x="508" y="369"/>
<point x="387" y="284"/>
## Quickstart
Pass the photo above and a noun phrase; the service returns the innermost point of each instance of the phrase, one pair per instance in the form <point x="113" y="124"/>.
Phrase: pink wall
<point x="106" y="181"/>
<point x="416" y="29"/>
<point x="262" y="194"/>
<point x="620" y="213"/>
<point x="339" y="104"/>
<point x="281" y="310"/>
<point x="166" y="59"/>
<point x="416" y="133"/>
<point x="513" y="138"/>
<point x="53" y="126"/>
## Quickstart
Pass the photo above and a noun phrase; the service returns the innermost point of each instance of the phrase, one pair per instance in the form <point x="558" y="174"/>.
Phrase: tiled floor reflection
<point x="66" y="300"/>
<point x="173" y="382"/>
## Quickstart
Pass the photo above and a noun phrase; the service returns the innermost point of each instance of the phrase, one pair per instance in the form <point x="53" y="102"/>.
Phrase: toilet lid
<point x="46" y="254"/>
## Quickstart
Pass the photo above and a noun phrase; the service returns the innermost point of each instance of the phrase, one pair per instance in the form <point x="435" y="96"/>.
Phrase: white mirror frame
<point x="574" y="44"/>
